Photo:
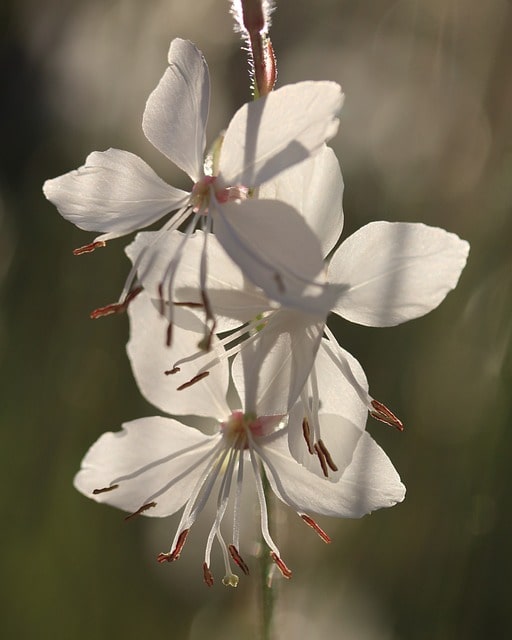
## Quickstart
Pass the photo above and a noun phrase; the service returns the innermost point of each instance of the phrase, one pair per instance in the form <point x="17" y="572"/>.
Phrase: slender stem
<point x="267" y="595"/>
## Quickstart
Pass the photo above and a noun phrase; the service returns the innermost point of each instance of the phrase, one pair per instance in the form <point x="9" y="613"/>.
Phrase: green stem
<point x="267" y="594"/>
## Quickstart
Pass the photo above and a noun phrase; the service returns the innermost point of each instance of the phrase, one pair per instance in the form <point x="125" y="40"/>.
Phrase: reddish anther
<point x="323" y="461"/>
<point x="238" y="559"/>
<point x="171" y="372"/>
<point x="382" y="413"/>
<point x="207" y="575"/>
<point x="311" y="523"/>
<point x="140" y="510"/>
<point x="307" y="435"/>
<point x="175" y="554"/>
<point x="88" y="248"/>
<point x="116" y="307"/>
<point x="193" y="380"/>
<point x="327" y="456"/>
<point x="105" y="489"/>
<point x="287" y="573"/>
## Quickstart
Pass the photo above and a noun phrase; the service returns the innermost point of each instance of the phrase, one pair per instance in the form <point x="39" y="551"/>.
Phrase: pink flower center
<point x="201" y="191"/>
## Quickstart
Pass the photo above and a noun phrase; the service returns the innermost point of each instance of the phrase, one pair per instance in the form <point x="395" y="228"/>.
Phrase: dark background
<point x="425" y="136"/>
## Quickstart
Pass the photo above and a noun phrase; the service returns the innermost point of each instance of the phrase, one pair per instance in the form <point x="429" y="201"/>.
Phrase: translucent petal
<point x="177" y="110"/>
<point x="233" y="299"/>
<point x="258" y="234"/>
<point x="369" y="482"/>
<point x="273" y="133"/>
<point x="271" y="369"/>
<point x="315" y="189"/>
<point x="115" y="192"/>
<point x="151" y="460"/>
<point x="395" y="271"/>
<point x="151" y="358"/>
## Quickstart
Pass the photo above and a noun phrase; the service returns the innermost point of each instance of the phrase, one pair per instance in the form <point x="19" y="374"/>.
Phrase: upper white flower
<point x="158" y="465"/>
<point x="116" y="192"/>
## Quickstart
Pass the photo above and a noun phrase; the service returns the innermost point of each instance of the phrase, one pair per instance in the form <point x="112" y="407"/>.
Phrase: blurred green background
<point x="425" y="136"/>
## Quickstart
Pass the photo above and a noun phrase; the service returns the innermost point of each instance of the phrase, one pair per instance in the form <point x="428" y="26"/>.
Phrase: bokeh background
<point x="425" y="136"/>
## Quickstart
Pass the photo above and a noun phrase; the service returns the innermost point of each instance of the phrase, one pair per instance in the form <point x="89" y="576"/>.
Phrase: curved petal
<point x="315" y="189"/>
<point x="272" y="366"/>
<point x="273" y="133"/>
<point x="151" y="358"/>
<point x="115" y="192"/>
<point x="151" y="460"/>
<point x="177" y="111"/>
<point x="232" y="298"/>
<point x="369" y="482"/>
<point x="257" y="235"/>
<point x="395" y="271"/>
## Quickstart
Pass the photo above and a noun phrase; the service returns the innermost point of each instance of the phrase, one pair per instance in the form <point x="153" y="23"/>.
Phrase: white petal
<point x="315" y="188"/>
<point x="341" y="382"/>
<point x="151" y="460"/>
<point x="271" y="369"/>
<point x="257" y="235"/>
<point x="233" y="299"/>
<point x="275" y="132"/>
<point x="115" y="192"/>
<point x="370" y="481"/>
<point x="177" y="110"/>
<point x="151" y="358"/>
<point x="339" y="435"/>
<point x="393" y="272"/>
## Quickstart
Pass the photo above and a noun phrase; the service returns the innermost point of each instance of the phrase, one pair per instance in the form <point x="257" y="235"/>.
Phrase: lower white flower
<point x="157" y="465"/>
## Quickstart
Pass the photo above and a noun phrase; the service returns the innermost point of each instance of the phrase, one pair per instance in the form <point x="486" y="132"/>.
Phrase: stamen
<point x="382" y="413"/>
<point x="321" y="458"/>
<point x="311" y="523"/>
<point x="193" y="380"/>
<point x="161" y="300"/>
<point x="141" y="510"/>
<point x="175" y="554"/>
<point x="238" y="559"/>
<point x="307" y="435"/>
<point x="105" y="489"/>
<point x="191" y="305"/>
<point x="327" y="455"/>
<point x="207" y="575"/>
<point x="172" y="371"/>
<point x="168" y="335"/>
<point x="89" y="248"/>
<point x="116" y="307"/>
<point x="287" y="573"/>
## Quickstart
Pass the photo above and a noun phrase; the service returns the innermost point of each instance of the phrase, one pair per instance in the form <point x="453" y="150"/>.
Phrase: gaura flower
<point x="116" y="192"/>
<point x="156" y="466"/>
<point x="385" y="274"/>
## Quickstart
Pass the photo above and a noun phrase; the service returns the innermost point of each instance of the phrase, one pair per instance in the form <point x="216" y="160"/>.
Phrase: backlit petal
<point x="273" y="133"/>
<point x="114" y="192"/>
<point x="395" y="271"/>
<point x="177" y="110"/>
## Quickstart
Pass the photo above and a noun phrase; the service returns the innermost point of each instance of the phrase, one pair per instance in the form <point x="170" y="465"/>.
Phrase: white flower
<point x="385" y="274"/>
<point x="116" y="192"/>
<point x="157" y="465"/>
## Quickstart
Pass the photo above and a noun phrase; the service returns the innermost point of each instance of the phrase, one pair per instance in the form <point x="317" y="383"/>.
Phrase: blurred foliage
<point x="426" y="136"/>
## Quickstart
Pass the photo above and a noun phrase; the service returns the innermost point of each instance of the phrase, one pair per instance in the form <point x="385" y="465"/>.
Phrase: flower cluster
<point x="228" y="304"/>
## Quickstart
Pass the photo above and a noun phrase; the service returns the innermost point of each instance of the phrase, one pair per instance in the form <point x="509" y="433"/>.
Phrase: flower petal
<point x="369" y="482"/>
<point x="150" y="360"/>
<point x="315" y="189"/>
<point x="273" y="133"/>
<point x="272" y="367"/>
<point x="151" y="460"/>
<point x="257" y="235"/>
<point x="177" y="111"/>
<point x="232" y="298"/>
<point x="395" y="271"/>
<point x="115" y="192"/>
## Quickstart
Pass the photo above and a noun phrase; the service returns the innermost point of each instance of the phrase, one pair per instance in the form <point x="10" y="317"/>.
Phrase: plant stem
<point x="267" y="594"/>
